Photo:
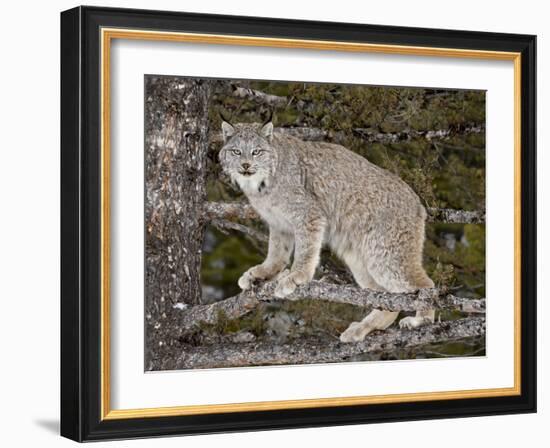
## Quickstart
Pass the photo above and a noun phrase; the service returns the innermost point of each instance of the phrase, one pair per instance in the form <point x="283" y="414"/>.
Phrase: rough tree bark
<point x="241" y="304"/>
<point x="176" y="144"/>
<point x="314" y="351"/>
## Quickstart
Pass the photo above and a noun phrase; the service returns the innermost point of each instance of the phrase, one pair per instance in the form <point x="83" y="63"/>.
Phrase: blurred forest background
<point x="433" y="139"/>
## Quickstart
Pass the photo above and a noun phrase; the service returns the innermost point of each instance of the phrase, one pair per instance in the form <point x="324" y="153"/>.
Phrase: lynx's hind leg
<point x="395" y="258"/>
<point x="360" y="272"/>
<point x="393" y="263"/>
<point x="377" y="319"/>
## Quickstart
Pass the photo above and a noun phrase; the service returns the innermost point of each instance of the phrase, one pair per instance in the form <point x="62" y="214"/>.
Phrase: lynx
<point x="311" y="194"/>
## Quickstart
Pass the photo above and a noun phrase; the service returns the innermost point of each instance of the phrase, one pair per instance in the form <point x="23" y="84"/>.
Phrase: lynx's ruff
<point x="311" y="194"/>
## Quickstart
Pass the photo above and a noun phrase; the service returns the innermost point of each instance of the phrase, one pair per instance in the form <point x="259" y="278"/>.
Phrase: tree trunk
<point x="176" y="144"/>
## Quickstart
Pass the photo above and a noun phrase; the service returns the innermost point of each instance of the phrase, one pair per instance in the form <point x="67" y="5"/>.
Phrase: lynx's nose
<point x="245" y="166"/>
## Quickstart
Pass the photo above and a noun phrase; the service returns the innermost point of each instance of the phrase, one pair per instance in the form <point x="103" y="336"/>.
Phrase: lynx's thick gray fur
<point x="313" y="193"/>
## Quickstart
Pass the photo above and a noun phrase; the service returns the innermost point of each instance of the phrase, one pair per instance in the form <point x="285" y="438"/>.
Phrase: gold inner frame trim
<point x="107" y="35"/>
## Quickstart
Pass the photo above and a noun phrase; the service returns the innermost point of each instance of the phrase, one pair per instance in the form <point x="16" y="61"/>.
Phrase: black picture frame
<point x="81" y="224"/>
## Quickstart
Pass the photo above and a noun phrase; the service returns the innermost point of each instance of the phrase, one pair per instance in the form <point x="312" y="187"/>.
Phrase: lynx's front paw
<point x="246" y="281"/>
<point x="255" y="273"/>
<point x="287" y="283"/>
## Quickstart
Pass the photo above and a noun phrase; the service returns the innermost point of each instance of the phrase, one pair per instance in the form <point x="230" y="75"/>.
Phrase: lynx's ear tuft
<point x="227" y="131"/>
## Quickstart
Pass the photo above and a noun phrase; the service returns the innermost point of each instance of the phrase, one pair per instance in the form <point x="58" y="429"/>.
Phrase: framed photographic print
<point x="275" y="224"/>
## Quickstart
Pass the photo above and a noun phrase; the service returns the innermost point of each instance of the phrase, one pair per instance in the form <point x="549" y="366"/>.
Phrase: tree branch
<point x="232" y="308"/>
<point x="243" y="211"/>
<point x="452" y="216"/>
<point x="228" y="210"/>
<point x="370" y="135"/>
<point x="315" y="351"/>
<point x="223" y="225"/>
<point x="241" y="304"/>
<point x="259" y="97"/>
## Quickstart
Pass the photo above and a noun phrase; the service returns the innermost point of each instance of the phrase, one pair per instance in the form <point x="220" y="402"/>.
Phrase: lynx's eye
<point x="236" y="152"/>
<point x="257" y="152"/>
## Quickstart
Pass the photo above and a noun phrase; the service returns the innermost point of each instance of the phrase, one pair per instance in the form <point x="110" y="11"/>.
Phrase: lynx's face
<point x="247" y="155"/>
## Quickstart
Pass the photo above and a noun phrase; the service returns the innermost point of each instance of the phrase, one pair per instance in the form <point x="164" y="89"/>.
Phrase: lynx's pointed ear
<point x="267" y="131"/>
<point x="267" y="127"/>
<point x="227" y="131"/>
